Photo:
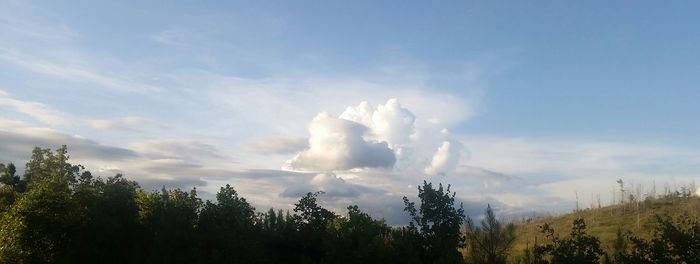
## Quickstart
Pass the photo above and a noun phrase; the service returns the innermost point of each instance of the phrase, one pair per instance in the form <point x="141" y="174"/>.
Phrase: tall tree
<point x="437" y="222"/>
<point x="169" y="220"/>
<point x="312" y="220"/>
<point x="42" y="225"/>
<point x="226" y="230"/>
<point x="112" y="224"/>
<point x="357" y="238"/>
<point x="490" y="242"/>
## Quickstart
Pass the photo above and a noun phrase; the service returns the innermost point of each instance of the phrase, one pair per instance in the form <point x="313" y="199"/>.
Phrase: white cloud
<point x="389" y="122"/>
<point x="176" y="149"/>
<point x="67" y="69"/>
<point x="281" y="103"/>
<point x="331" y="146"/>
<point x="18" y="139"/>
<point x="446" y="157"/>
<point x="332" y="185"/>
<point x="125" y="123"/>
<point x="35" y="110"/>
<point x="560" y="169"/>
<point x="338" y="144"/>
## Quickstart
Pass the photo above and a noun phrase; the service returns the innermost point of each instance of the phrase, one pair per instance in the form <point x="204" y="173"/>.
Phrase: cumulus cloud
<point x="446" y="157"/>
<point x="338" y="144"/>
<point x="386" y="136"/>
<point x="390" y="122"/>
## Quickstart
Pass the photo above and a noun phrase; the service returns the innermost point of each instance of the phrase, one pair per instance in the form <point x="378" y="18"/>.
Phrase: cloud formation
<point x="338" y="144"/>
<point x="18" y="139"/>
<point x="332" y="186"/>
<point x="35" y="110"/>
<point x="389" y="122"/>
<point x="446" y="157"/>
<point x="369" y="137"/>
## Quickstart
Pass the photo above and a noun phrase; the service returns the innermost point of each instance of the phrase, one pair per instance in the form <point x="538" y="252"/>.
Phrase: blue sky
<point x="501" y="99"/>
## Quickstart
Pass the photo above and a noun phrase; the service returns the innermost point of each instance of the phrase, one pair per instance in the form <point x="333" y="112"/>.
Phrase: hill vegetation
<point x="604" y="223"/>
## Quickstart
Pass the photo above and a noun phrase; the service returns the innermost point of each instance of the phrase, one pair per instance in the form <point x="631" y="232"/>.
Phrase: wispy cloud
<point x="35" y="110"/>
<point x="69" y="71"/>
<point x="129" y="123"/>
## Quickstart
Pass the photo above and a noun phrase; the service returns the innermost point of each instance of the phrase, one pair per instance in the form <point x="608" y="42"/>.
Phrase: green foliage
<point x="604" y="222"/>
<point x="227" y="229"/>
<point x="42" y="224"/>
<point x="357" y="238"/>
<point x="169" y="220"/>
<point x="578" y="248"/>
<point x="43" y="221"/>
<point x="490" y="242"/>
<point x="311" y="220"/>
<point x="436" y="223"/>
<point x="112" y="219"/>
<point x="619" y="246"/>
<point x="673" y="242"/>
<point x="311" y="216"/>
<point x="11" y="186"/>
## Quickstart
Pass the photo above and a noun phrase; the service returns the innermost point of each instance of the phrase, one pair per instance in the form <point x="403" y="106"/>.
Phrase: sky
<point x="527" y="107"/>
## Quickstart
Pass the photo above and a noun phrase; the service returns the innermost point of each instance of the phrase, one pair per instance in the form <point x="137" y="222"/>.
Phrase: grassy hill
<point x="637" y="217"/>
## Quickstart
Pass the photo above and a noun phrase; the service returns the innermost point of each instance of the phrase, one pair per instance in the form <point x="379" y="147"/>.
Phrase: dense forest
<point x="57" y="212"/>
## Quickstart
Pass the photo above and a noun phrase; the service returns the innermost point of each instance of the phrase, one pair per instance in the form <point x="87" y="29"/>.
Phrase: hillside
<point x="603" y="222"/>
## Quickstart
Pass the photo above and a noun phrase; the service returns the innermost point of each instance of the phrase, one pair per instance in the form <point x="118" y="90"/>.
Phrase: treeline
<point x="57" y="212"/>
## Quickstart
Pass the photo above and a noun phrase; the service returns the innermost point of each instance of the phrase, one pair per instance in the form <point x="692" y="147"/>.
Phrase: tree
<point x="673" y="242"/>
<point x="41" y="226"/>
<point x="226" y="230"/>
<point x="10" y="186"/>
<point x="280" y="237"/>
<point x="490" y="242"/>
<point x="437" y="223"/>
<point x="112" y="224"/>
<point x="312" y="219"/>
<point x="578" y="248"/>
<point x="357" y="238"/>
<point x="619" y="246"/>
<point x="169" y="221"/>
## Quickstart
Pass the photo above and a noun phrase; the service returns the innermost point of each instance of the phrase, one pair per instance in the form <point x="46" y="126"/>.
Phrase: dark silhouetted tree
<point x="312" y="220"/>
<point x="169" y="222"/>
<point x="112" y="224"/>
<point x="491" y="241"/>
<point x="227" y="231"/>
<point x="437" y="224"/>
<point x="357" y="238"/>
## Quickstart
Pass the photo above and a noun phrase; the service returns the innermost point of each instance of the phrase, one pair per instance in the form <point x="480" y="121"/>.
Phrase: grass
<point x="639" y="218"/>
